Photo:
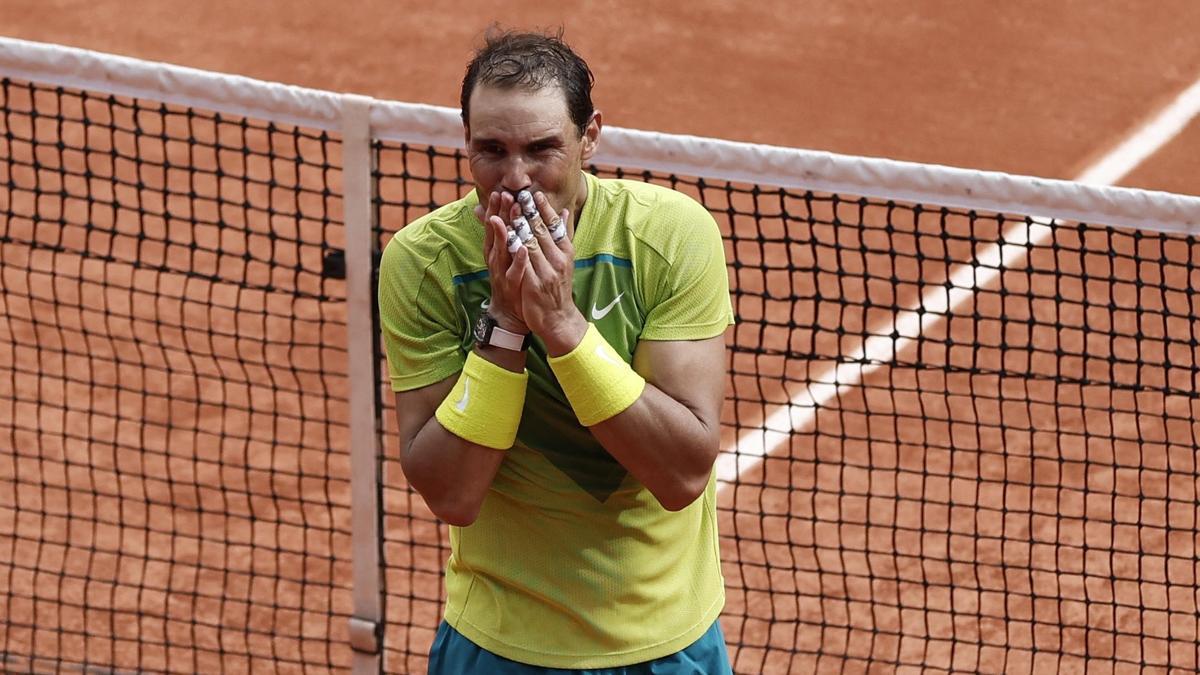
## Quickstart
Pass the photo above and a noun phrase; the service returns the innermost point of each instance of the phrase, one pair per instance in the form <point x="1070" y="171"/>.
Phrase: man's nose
<point x="516" y="175"/>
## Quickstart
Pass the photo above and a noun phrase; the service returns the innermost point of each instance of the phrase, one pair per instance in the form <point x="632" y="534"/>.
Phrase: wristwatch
<point x="488" y="333"/>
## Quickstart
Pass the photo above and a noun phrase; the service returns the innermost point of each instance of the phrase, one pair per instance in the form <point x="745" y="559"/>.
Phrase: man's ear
<point x="591" y="135"/>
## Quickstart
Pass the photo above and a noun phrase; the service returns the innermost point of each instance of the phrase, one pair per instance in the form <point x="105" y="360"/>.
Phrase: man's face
<point x="520" y="139"/>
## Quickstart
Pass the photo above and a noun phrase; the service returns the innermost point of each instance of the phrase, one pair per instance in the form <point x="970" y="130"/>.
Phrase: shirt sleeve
<point x="421" y="327"/>
<point x="687" y="295"/>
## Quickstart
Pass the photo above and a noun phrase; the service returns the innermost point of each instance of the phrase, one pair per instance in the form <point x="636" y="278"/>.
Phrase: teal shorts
<point x="453" y="654"/>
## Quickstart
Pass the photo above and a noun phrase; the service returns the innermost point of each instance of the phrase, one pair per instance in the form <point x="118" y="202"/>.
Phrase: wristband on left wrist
<point x="598" y="383"/>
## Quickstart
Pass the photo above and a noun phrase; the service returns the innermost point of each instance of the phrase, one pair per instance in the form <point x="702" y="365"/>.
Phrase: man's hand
<point x="547" y="294"/>
<point x="506" y="307"/>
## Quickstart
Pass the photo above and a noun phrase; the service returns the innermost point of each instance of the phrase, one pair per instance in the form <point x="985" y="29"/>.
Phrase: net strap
<point x="365" y="450"/>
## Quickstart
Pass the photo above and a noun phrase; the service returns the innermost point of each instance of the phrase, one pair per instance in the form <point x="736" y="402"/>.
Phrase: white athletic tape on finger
<point x="525" y="199"/>
<point x="514" y="242"/>
<point x="522" y="227"/>
<point x="558" y="231"/>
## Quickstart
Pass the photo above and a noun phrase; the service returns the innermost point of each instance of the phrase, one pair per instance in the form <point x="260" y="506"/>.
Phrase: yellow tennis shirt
<point x="572" y="563"/>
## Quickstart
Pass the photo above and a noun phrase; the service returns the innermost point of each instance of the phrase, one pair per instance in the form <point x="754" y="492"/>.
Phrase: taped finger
<point x="530" y="211"/>
<point x="558" y="230"/>
<point x="525" y="199"/>
<point x="521" y="225"/>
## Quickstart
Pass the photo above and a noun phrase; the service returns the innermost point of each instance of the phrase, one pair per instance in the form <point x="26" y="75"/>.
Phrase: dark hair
<point x="532" y="61"/>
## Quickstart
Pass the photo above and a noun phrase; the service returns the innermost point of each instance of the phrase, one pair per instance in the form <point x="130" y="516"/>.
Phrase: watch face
<point x="481" y="328"/>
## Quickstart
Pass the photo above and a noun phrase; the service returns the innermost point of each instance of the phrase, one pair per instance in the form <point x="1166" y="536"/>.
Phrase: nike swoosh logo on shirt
<point x="462" y="402"/>
<point x="600" y="313"/>
<point x="487" y="302"/>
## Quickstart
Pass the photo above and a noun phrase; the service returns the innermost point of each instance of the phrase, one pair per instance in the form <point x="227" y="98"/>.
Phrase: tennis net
<point x="958" y="435"/>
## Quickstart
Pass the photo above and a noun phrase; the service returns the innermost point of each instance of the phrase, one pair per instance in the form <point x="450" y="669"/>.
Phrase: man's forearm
<point x="452" y="474"/>
<point x="664" y="445"/>
<point x="665" y="440"/>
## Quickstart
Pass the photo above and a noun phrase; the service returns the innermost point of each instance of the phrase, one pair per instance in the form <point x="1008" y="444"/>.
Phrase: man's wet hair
<point x="531" y="61"/>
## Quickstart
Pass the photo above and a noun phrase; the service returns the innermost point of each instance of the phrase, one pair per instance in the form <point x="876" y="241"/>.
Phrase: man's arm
<point x="452" y="474"/>
<point x="669" y="438"/>
<point x="428" y="451"/>
<point x="669" y="435"/>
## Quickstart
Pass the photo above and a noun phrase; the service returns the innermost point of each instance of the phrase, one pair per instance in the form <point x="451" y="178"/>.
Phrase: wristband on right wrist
<point x="597" y="382"/>
<point x="485" y="405"/>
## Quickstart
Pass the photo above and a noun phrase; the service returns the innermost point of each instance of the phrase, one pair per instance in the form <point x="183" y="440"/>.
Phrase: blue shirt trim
<point x="603" y="258"/>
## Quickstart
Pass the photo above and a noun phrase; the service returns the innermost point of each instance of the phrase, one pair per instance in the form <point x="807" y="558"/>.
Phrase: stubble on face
<point x="525" y="139"/>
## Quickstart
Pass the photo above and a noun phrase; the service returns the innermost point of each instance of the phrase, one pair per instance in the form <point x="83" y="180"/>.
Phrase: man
<point x="558" y="397"/>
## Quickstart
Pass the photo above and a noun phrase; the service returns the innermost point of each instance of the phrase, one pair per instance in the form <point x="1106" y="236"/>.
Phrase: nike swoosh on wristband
<point x="602" y="353"/>
<point x="461" y="406"/>
<point x="600" y="313"/>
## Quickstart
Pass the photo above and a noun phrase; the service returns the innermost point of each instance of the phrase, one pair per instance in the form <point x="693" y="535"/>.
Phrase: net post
<point x="366" y="625"/>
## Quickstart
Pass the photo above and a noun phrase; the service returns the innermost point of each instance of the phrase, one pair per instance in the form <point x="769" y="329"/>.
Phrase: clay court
<point x="1015" y="491"/>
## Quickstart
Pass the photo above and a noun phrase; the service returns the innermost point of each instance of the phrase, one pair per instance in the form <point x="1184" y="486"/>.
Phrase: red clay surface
<point x="1024" y="86"/>
<point x="879" y="541"/>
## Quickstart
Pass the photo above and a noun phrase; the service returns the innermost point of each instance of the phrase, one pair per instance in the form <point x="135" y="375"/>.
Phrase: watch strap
<point x="507" y="339"/>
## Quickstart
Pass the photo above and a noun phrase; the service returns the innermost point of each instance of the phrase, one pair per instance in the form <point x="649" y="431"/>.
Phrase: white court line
<point x="942" y="301"/>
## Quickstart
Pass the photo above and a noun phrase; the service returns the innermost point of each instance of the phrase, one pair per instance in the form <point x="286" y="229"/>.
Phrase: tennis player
<point x="558" y="404"/>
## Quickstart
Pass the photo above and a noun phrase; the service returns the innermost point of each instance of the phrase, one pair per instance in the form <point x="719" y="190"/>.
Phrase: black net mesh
<point x="1009" y="486"/>
<point x="173" y="473"/>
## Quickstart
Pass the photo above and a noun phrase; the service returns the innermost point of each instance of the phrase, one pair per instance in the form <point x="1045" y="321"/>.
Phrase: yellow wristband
<point x="597" y="382"/>
<point x="485" y="405"/>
